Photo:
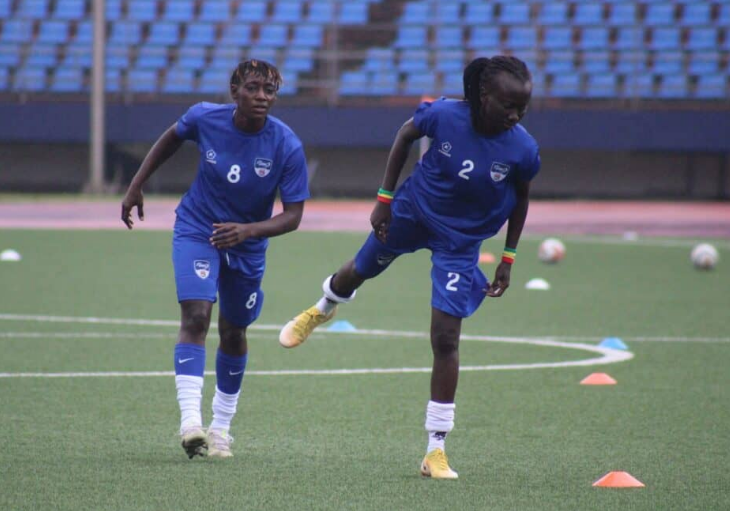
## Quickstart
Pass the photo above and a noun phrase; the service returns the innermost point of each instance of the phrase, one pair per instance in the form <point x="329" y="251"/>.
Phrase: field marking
<point x="607" y="355"/>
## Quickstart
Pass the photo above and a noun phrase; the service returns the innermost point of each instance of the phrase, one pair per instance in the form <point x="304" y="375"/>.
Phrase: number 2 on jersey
<point x="468" y="167"/>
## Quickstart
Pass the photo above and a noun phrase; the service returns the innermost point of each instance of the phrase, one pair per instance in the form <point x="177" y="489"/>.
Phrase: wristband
<point x="385" y="196"/>
<point x="508" y="255"/>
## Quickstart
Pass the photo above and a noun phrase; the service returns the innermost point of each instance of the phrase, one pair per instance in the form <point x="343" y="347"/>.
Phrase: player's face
<point x="254" y="96"/>
<point x="506" y="104"/>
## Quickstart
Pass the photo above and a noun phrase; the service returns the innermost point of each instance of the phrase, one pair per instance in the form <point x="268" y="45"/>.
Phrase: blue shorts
<point x="202" y="272"/>
<point x="458" y="285"/>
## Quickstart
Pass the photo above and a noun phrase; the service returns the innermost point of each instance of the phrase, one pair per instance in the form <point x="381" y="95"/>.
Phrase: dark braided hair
<point x="256" y="67"/>
<point x="479" y="77"/>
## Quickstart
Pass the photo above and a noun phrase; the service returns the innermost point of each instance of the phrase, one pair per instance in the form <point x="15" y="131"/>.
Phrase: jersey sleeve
<point x="187" y="125"/>
<point x="530" y="166"/>
<point x="426" y="118"/>
<point x="294" y="185"/>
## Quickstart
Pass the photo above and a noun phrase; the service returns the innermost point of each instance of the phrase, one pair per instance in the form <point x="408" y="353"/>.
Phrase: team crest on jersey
<point x="498" y="171"/>
<point x="262" y="166"/>
<point x="445" y="149"/>
<point x="202" y="268"/>
<point x="210" y="156"/>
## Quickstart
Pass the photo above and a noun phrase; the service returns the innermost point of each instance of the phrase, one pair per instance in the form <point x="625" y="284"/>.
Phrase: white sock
<point x="224" y="408"/>
<point x="325" y="306"/>
<point x="189" y="396"/>
<point x="439" y="421"/>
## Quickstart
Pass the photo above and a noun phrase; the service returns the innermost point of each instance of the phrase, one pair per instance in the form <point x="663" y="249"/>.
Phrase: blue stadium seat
<point x="702" y="38"/>
<point x="52" y="31"/>
<point x="164" y="33"/>
<point x="76" y="56"/>
<point x="623" y="14"/>
<point x="290" y="85"/>
<point x="557" y="62"/>
<point x="711" y="87"/>
<point x="178" y="10"/>
<point x="639" y="86"/>
<point x="588" y="13"/>
<point x="142" y="80"/>
<point x="9" y="54"/>
<point x="668" y="62"/>
<point x="484" y="37"/>
<point x="449" y="61"/>
<point x="30" y="79"/>
<point x="660" y="14"/>
<point x="596" y="62"/>
<point x="321" y="12"/>
<point x="632" y="62"/>
<point x="17" y="31"/>
<point x="191" y="57"/>
<point x="307" y="36"/>
<point x="673" y="86"/>
<point x="273" y="36"/>
<point x="593" y="38"/>
<point x="68" y="80"/>
<point x="4" y="83"/>
<point x="557" y="38"/>
<point x="695" y="14"/>
<point x="479" y="13"/>
<point x="553" y="13"/>
<point x="141" y="10"/>
<point x="378" y="59"/>
<point x="449" y="37"/>
<point x="723" y="19"/>
<point x="215" y="10"/>
<point x="263" y="53"/>
<point x="353" y="13"/>
<point x="354" y="83"/>
<point x="665" y="38"/>
<point x="68" y="10"/>
<point x="236" y="34"/>
<point x="601" y="85"/>
<point x="125" y="32"/>
<point x="447" y="13"/>
<point x="113" y="10"/>
<point x="629" y="38"/>
<point x="413" y="60"/>
<point x="419" y="84"/>
<point x="41" y="55"/>
<point x="84" y="32"/>
<point x="225" y="58"/>
<point x="113" y="80"/>
<point x="117" y="57"/>
<point x="514" y="13"/>
<point x="202" y="33"/>
<point x="411" y="37"/>
<point x="704" y="62"/>
<point x="521" y="38"/>
<point x="5" y="12"/>
<point x="251" y="12"/>
<point x="32" y="9"/>
<point x="151" y="57"/>
<point x="298" y="60"/>
<point x="384" y="83"/>
<point x="416" y="13"/>
<point x="565" y="85"/>
<point x="288" y="11"/>
<point x="178" y="81"/>
<point x="452" y="85"/>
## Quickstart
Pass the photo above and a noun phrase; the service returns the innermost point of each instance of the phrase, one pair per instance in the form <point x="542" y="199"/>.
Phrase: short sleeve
<point x="187" y="125"/>
<point x="530" y="166"/>
<point x="425" y="119"/>
<point x="294" y="185"/>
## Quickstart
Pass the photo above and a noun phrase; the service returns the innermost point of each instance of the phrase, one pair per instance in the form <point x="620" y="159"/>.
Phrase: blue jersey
<point x="239" y="173"/>
<point x="464" y="185"/>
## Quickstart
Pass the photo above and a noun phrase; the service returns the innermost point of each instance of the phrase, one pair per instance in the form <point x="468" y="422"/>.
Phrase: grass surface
<point x="524" y="439"/>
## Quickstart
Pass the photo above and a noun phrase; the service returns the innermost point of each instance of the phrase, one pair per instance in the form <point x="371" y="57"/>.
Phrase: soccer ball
<point x="551" y="250"/>
<point x="704" y="256"/>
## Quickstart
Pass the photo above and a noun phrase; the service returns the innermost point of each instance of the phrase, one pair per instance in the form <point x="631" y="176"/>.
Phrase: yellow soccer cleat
<point x="298" y="329"/>
<point x="436" y="466"/>
<point x="194" y="441"/>
<point x="219" y="444"/>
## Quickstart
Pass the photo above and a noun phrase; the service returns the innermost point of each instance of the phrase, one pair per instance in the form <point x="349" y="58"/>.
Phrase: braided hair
<point x="256" y="67"/>
<point x="480" y="75"/>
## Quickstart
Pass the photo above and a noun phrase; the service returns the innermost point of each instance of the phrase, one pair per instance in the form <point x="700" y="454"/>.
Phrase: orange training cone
<point x="598" y="379"/>
<point x="486" y="258"/>
<point x="618" y="480"/>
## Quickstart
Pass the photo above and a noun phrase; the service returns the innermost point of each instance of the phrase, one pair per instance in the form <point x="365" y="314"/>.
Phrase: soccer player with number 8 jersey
<point x="221" y="234"/>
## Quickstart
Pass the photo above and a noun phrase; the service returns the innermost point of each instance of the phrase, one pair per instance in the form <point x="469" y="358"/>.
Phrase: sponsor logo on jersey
<point x="445" y="149"/>
<point x="202" y="268"/>
<point x="498" y="171"/>
<point x="385" y="259"/>
<point x="210" y="156"/>
<point x="262" y="166"/>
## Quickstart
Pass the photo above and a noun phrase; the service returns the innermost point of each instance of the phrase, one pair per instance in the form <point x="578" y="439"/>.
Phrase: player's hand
<point x="229" y="234"/>
<point x="380" y="220"/>
<point x="133" y="197"/>
<point x="501" y="280"/>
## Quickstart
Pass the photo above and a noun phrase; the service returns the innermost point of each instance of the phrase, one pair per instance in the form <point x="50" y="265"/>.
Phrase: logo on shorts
<point x="202" y="268"/>
<point x="262" y="166"/>
<point x="385" y="259"/>
<point x="210" y="156"/>
<point x="445" y="149"/>
<point x="498" y="171"/>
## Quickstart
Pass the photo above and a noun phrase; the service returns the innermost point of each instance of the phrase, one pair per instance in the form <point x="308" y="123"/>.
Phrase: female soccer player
<point x="475" y="176"/>
<point x="220" y="236"/>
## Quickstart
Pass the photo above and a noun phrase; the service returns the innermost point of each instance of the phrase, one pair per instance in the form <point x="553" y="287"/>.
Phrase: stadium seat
<point x="702" y="38"/>
<point x="629" y="38"/>
<point x="113" y="80"/>
<point x="601" y="85"/>
<point x="84" y="32"/>
<point x="557" y="38"/>
<point x="321" y="12"/>
<point x="273" y="36"/>
<point x="141" y="10"/>
<point x="215" y="10"/>
<point x="164" y="33"/>
<point x="639" y="86"/>
<point x="53" y="32"/>
<point x="447" y="13"/>
<point x="262" y="53"/>
<point x="76" y="56"/>
<point x="353" y="13"/>
<point x="10" y="54"/>
<point x="354" y="83"/>
<point x="4" y="83"/>
<point x="723" y="19"/>
<point x="553" y="13"/>
<point x="411" y="37"/>
<point x="557" y="62"/>
<point x="142" y="80"/>
<point x="419" y="84"/>
<point x="125" y="32"/>
<point x="588" y="13"/>
<point x="178" y="10"/>
<point x="151" y="57"/>
<point x="673" y="86"/>
<point x="593" y="38"/>
<point x="288" y="11"/>
<point x="596" y="62"/>
<point x="668" y="62"/>
<point x="117" y="57"/>
<point x="416" y="13"/>
<point x="204" y="33"/>
<point x="113" y="10"/>
<point x="68" y="80"/>
<point x="235" y="34"/>
<point x="514" y="13"/>
<point x="479" y="14"/>
<point x="190" y="57"/>
<point x="565" y="85"/>
<point x="378" y="59"/>
<point x="31" y="79"/>
<point x="704" y="62"/>
<point x="68" y="9"/>
<point x="32" y="9"/>
<point x="307" y="36"/>
<point x="484" y="37"/>
<point x="711" y="87"/>
<point x="41" y="55"/>
<point x="290" y="85"/>
<point x="225" y="58"/>
<point x="384" y="83"/>
<point x="17" y="31"/>
<point x="298" y="60"/>
<point x="4" y="15"/>
<point x="449" y="37"/>
<point x="449" y="61"/>
<point x="413" y="60"/>
<point x="631" y="62"/>
<point x="623" y="14"/>
<point x="694" y="14"/>
<point x="660" y="14"/>
<point x="180" y="81"/>
<point x="521" y="38"/>
<point x="251" y="11"/>
<point x="452" y="85"/>
<point x="664" y="38"/>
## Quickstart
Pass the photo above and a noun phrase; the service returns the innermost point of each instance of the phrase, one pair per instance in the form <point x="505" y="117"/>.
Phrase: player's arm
<point x="168" y="143"/>
<point x="230" y="233"/>
<point x="514" y="230"/>
<point x="407" y="134"/>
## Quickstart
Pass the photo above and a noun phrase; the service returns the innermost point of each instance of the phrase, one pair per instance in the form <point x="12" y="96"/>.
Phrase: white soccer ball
<point x="551" y="250"/>
<point x="704" y="256"/>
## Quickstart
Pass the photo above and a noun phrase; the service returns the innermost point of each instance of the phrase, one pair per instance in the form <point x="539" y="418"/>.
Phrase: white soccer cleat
<point x="194" y="441"/>
<point x="219" y="443"/>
